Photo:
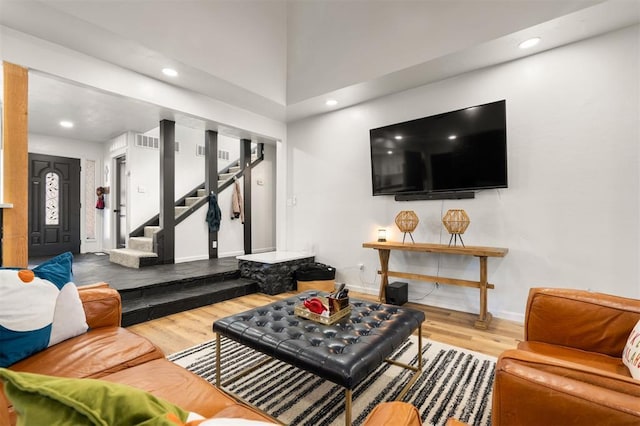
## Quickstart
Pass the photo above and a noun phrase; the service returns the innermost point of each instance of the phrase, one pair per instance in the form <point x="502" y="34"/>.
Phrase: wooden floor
<point x="186" y="329"/>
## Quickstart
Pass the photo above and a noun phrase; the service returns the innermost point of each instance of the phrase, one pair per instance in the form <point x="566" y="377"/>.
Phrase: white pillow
<point x="196" y="419"/>
<point x="69" y="319"/>
<point x="631" y="352"/>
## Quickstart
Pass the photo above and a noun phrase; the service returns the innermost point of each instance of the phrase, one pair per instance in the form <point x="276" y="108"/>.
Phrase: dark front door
<point x="54" y="205"/>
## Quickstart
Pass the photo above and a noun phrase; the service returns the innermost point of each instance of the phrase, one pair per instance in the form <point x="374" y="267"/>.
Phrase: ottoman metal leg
<point x="416" y="370"/>
<point x="218" y="351"/>
<point x="347" y="407"/>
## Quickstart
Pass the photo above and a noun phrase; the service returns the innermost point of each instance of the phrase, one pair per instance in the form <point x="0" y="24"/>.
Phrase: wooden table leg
<point x="384" y="273"/>
<point x="485" y="317"/>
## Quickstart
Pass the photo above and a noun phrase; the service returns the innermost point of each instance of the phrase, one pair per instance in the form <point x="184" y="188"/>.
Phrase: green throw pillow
<point x="46" y="400"/>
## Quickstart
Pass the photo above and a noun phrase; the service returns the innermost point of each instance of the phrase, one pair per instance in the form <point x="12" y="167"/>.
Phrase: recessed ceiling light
<point x="389" y="152"/>
<point x="398" y="137"/>
<point x="529" y="43"/>
<point x="452" y="137"/>
<point x="169" y="72"/>
<point x="331" y="102"/>
<point x="66" y="124"/>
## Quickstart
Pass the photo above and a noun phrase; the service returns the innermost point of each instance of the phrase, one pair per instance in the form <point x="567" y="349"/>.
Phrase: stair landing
<point x="161" y="290"/>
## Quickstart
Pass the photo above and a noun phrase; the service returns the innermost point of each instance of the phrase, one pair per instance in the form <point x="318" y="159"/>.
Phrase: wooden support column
<point x="15" y="165"/>
<point x="211" y="180"/>
<point x="245" y="158"/>
<point x="167" y="189"/>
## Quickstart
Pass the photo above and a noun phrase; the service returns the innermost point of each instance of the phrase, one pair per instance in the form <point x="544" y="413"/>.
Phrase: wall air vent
<point x="200" y="151"/>
<point x="144" y="141"/>
<point x="223" y="155"/>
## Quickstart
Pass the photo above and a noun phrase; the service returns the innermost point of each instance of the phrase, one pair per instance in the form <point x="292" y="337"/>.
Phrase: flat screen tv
<point x="460" y="150"/>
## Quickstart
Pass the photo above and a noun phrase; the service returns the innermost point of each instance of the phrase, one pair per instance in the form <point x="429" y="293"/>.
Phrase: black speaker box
<point x="397" y="293"/>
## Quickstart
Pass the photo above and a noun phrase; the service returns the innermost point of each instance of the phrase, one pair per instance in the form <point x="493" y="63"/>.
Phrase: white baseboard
<point x="231" y="254"/>
<point x="264" y="250"/>
<point x="191" y="258"/>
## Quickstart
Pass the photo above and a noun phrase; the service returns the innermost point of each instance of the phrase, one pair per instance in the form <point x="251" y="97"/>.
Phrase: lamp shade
<point x="407" y="221"/>
<point x="382" y="235"/>
<point x="456" y="221"/>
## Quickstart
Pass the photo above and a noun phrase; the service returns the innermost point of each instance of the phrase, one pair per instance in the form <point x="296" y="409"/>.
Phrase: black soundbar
<point x="453" y="195"/>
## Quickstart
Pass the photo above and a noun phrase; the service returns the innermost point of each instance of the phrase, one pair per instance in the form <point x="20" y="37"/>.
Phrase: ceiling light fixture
<point x="169" y="72"/>
<point x="529" y="43"/>
<point x="66" y="124"/>
<point x="452" y="137"/>
<point x="398" y="137"/>
<point x="331" y="102"/>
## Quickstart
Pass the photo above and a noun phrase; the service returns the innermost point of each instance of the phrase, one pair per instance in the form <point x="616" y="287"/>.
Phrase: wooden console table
<point x="384" y="251"/>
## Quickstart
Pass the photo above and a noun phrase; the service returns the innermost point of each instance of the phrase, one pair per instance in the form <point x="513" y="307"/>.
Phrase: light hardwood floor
<point x="186" y="329"/>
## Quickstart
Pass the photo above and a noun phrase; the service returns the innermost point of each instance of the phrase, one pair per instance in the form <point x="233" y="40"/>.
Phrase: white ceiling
<point x="282" y="59"/>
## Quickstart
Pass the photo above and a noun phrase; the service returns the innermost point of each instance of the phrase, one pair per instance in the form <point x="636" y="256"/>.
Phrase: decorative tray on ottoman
<point x="338" y="309"/>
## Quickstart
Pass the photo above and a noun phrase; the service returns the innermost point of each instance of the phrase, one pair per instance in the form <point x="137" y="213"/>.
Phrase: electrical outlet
<point x="361" y="266"/>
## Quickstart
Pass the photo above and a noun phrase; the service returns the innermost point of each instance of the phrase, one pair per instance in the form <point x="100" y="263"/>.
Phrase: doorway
<point x="120" y="202"/>
<point x="54" y="205"/>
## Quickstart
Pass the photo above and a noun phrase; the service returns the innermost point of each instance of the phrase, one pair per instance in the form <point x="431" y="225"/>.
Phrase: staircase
<point x="139" y="251"/>
<point x="140" y="246"/>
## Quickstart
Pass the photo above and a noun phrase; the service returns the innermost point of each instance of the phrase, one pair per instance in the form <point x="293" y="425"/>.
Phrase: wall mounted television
<point x="441" y="155"/>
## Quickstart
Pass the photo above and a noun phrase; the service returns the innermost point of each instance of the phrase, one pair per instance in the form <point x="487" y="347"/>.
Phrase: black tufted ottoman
<point x="344" y="353"/>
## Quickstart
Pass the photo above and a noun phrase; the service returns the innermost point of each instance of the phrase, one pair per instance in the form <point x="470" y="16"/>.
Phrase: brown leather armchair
<point x="569" y="370"/>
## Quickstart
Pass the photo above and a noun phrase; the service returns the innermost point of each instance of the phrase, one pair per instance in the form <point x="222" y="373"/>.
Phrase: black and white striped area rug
<point x="454" y="382"/>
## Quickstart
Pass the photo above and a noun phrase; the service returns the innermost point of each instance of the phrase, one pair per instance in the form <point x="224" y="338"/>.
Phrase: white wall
<point x="231" y="234"/>
<point x="569" y="216"/>
<point x="144" y="166"/>
<point x="263" y="201"/>
<point x="70" y="148"/>
<point x="192" y="237"/>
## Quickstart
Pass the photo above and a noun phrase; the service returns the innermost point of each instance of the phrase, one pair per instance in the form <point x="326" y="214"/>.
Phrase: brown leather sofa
<point x="568" y="370"/>
<point x="110" y="352"/>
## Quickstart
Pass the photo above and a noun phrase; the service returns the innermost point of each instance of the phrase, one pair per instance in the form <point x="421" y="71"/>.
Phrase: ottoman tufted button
<point x="329" y="333"/>
<point x="311" y="328"/>
<point x="316" y="341"/>
<point x="293" y="322"/>
<point x="336" y="348"/>
<point x="350" y="340"/>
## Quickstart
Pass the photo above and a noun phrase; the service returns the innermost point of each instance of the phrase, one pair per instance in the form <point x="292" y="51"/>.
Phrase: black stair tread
<point x="175" y="294"/>
<point x="174" y="300"/>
